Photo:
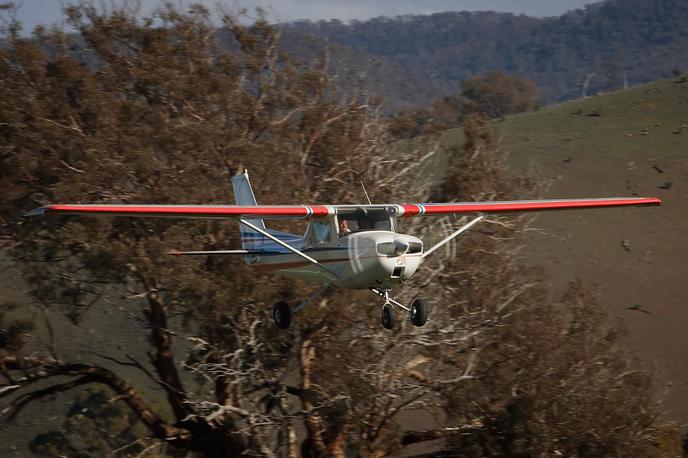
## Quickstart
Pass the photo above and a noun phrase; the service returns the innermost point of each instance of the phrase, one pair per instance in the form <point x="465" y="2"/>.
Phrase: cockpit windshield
<point x="349" y="224"/>
<point x="324" y="232"/>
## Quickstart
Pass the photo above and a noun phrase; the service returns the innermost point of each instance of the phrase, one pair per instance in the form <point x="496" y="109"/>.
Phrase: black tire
<point x="388" y="316"/>
<point x="282" y="314"/>
<point x="419" y="312"/>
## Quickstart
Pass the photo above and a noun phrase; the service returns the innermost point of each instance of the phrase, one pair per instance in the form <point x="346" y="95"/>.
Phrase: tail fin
<point x="243" y="195"/>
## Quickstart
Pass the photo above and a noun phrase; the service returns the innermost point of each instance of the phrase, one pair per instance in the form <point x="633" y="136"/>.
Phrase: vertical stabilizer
<point x="243" y="195"/>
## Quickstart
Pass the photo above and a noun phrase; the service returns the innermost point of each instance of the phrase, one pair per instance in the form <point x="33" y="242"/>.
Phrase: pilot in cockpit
<point x="344" y="228"/>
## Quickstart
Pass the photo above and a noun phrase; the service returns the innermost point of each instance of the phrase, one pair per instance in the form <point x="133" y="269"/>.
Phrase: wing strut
<point x="454" y="234"/>
<point x="217" y="252"/>
<point x="290" y="248"/>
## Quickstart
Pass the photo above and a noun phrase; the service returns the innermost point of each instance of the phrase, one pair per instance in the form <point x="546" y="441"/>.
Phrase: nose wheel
<point x="418" y="310"/>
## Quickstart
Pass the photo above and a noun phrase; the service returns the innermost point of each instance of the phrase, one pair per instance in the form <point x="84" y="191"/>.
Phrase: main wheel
<point x="419" y="312"/>
<point x="282" y="314"/>
<point x="388" y="317"/>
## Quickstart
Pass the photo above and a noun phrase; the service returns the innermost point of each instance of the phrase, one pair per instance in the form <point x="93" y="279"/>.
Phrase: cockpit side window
<point x="321" y="232"/>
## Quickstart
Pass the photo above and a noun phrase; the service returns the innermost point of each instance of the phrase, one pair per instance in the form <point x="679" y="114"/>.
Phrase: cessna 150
<point x="344" y="246"/>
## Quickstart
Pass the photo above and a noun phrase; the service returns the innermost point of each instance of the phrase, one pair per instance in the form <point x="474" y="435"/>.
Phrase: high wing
<point x="410" y="210"/>
<point x="188" y="211"/>
<point x="306" y="211"/>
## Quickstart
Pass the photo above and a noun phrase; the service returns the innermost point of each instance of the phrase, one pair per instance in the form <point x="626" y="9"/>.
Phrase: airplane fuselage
<point x="369" y="259"/>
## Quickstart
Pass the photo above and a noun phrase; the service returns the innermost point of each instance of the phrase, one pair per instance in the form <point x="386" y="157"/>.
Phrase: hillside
<point x="619" y="41"/>
<point x="630" y="142"/>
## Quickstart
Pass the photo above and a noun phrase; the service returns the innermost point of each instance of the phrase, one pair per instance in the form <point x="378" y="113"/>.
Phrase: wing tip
<point x="36" y="212"/>
<point x="648" y="201"/>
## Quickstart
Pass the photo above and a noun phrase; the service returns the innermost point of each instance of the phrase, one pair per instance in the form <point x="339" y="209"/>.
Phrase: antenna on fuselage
<point x="366" y="193"/>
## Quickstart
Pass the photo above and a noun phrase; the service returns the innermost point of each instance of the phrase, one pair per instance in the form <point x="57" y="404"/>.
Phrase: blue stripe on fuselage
<point x="274" y="252"/>
<point x="277" y="234"/>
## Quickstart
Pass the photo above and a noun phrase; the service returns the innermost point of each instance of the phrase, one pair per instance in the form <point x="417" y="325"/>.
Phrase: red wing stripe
<point x="526" y="205"/>
<point x="208" y="211"/>
<point x="411" y="210"/>
<point x="319" y="210"/>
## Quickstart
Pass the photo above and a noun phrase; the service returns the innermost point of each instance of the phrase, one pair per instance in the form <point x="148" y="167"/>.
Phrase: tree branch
<point x="163" y="359"/>
<point x="37" y="369"/>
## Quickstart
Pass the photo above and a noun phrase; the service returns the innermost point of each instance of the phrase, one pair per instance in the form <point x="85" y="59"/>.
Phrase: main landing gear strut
<point x="418" y="310"/>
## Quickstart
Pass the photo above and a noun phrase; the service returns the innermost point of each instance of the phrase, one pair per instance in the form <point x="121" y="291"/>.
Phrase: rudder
<point x="243" y="195"/>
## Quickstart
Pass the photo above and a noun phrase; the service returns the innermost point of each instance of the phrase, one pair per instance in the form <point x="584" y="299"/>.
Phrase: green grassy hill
<point x="632" y="142"/>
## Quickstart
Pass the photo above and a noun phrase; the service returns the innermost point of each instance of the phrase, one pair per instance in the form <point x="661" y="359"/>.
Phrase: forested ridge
<point x="616" y="42"/>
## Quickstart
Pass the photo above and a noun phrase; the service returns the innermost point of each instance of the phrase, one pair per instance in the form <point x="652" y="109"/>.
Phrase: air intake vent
<point x="398" y="272"/>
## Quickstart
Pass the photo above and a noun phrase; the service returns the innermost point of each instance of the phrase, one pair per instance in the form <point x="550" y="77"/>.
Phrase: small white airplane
<point x="344" y="246"/>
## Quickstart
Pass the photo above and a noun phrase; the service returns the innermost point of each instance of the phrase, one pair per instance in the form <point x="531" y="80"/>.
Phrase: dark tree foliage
<point x="442" y="114"/>
<point x="164" y="111"/>
<point x="497" y="94"/>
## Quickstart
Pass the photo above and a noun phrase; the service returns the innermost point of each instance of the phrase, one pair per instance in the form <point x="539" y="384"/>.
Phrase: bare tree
<point x="585" y="84"/>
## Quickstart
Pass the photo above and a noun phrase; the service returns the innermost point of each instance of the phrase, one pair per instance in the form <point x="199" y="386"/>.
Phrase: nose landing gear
<point x="418" y="311"/>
